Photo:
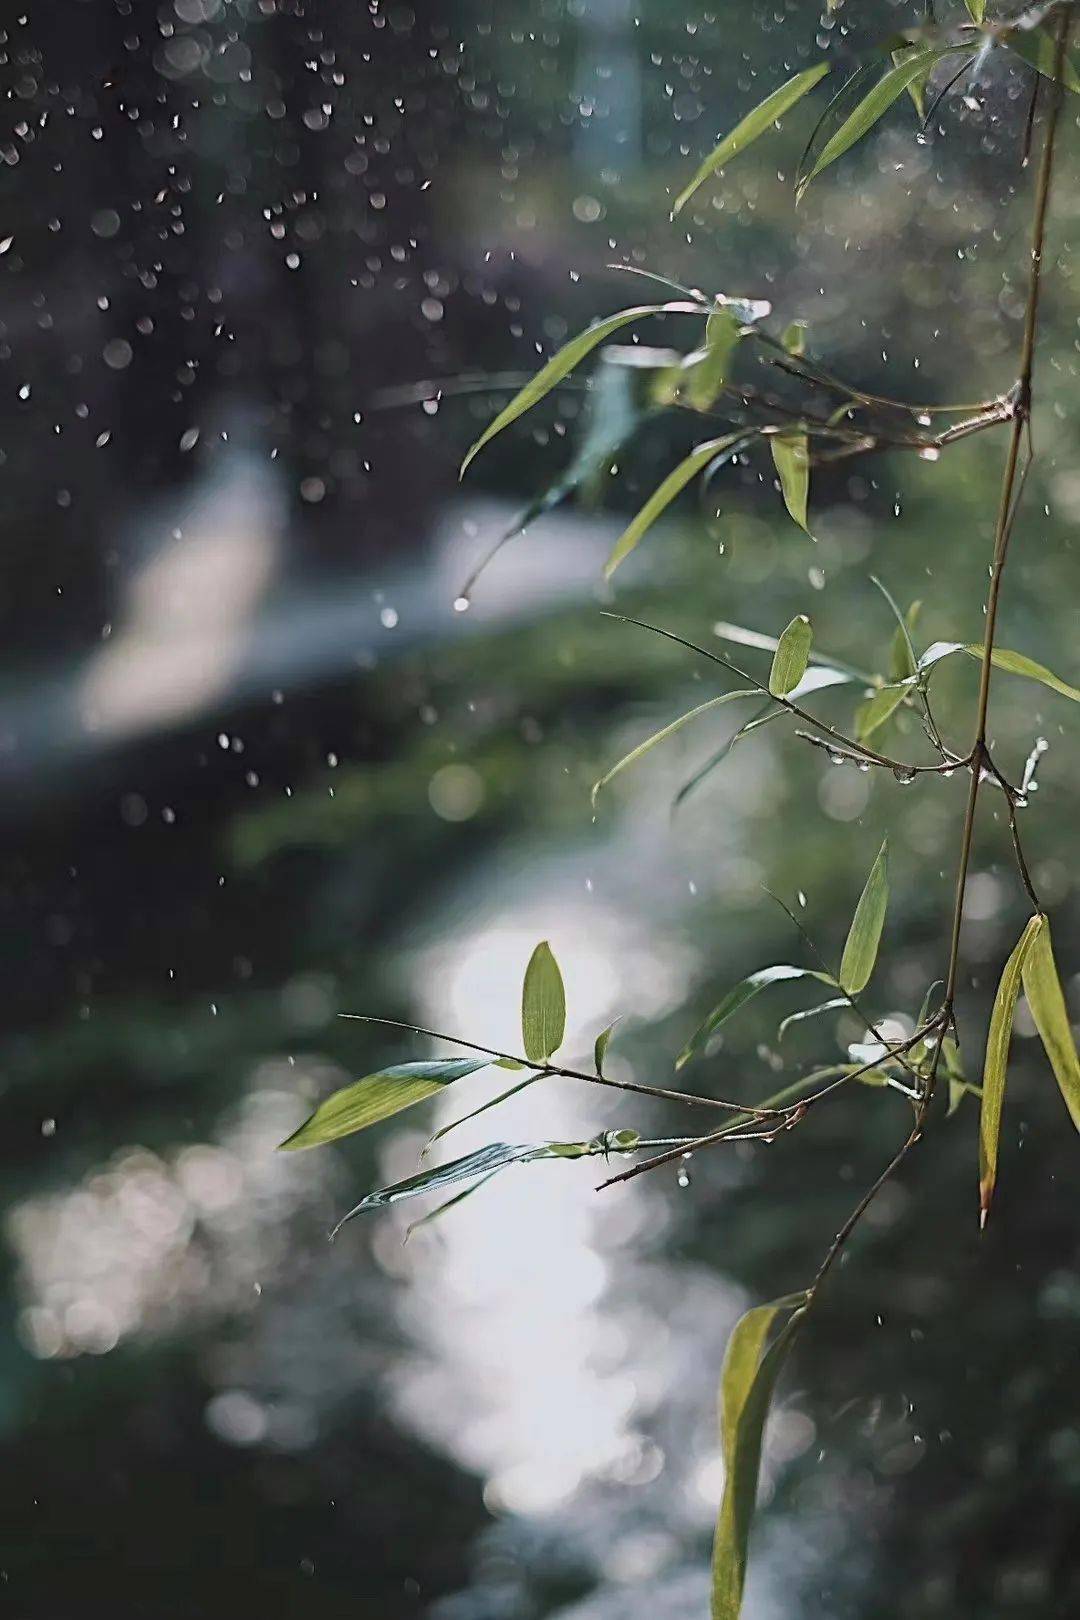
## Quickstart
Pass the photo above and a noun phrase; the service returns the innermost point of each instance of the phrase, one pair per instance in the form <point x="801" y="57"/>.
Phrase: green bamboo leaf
<point x="708" y="367"/>
<point x="976" y="9"/>
<point x="742" y="637"/>
<point x="1039" y="48"/>
<point x="864" y="936"/>
<point x="377" y="1096"/>
<point x="474" y="1113"/>
<point x="791" y="657"/>
<point x="661" y="498"/>
<point x="839" y="108"/>
<point x="903" y="660"/>
<point x="754" y="124"/>
<point x="1013" y="663"/>
<point x="917" y="88"/>
<point x="665" y="732"/>
<point x="746" y="1387"/>
<point x="791" y="458"/>
<point x="543" y="1006"/>
<point x="873" y="714"/>
<point x="794" y="339"/>
<point x="563" y="363"/>
<point x="874" y="105"/>
<point x="743" y="992"/>
<point x="1019" y="664"/>
<point x="600" y="1049"/>
<point x="800" y="1017"/>
<point x="996" y="1063"/>
<point x="1042" y="987"/>
<point x="484" y="1162"/>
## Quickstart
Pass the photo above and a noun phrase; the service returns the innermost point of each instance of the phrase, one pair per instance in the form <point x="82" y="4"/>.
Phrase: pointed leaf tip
<point x="543" y="1006"/>
<point x="756" y="122"/>
<point x="864" y="935"/>
<point x="791" y="657"/>
<point x="996" y="1063"/>
<point x="377" y="1096"/>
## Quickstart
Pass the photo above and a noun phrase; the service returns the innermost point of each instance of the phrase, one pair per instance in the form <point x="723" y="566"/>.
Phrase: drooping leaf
<point x="707" y="368"/>
<point x="1039" y="47"/>
<point x="378" y="1096"/>
<point x="996" y="1063"/>
<point x="1042" y="987"/>
<point x="483" y="1162"/>
<point x="763" y="116"/>
<point x="723" y="448"/>
<point x="903" y="660"/>
<point x="833" y="1005"/>
<point x="1013" y="663"/>
<point x="564" y="362"/>
<point x="746" y="1387"/>
<point x="873" y="714"/>
<point x="543" y="1006"/>
<point x="874" y="106"/>
<point x="791" y="458"/>
<point x="864" y="936"/>
<point x="600" y="1048"/>
<point x="474" y="1113"/>
<point x="737" y="997"/>
<point x="791" y="657"/>
<point x="668" y="731"/>
<point x="840" y="106"/>
<point x="917" y="88"/>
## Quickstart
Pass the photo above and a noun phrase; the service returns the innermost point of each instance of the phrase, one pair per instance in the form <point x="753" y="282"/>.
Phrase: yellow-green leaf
<point x="794" y="339"/>
<point x="1020" y="664"/>
<point x="791" y="457"/>
<point x="563" y="363"/>
<point x="600" y="1049"/>
<point x="917" y="88"/>
<point x="976" y="9"/>
<point x="377" y="1096"/>
<point x="665" y="493"/>
<point x="791" y="657"/>
<point x="874" y="105"/>
<point x="864" y="935"/>
<point x="746" y="1386"/>
<point x="707" y="369"/>
<point x="754" y="124"/>
<point x="668" y="731"/>
<point x="543" y="1006"/>
<point x="902" y="660"/>
<point x="996" y="1063"/>
<point x="1042" y="986"/>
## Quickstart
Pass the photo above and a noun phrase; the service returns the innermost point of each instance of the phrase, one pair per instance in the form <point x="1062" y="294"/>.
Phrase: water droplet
<point x="462" y="604"/>
<point x="682" y="1175"/>
<point x="904" y="774"/>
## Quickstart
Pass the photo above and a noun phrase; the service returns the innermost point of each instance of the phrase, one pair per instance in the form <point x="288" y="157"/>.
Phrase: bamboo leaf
<point x="665" y="732"/>
<point x="543" y="1006"/>
<point x="563" y="363"/>
<point x="1038" y="47"/>
<point x="708" y="367"/>
<point x="976" y="9"/>
<point x="484" y="1161"/>
<point x="1042" y="987"/>
<point x="661" y="498"/>
<point x="742" y="637"/>
<point x="746" y="1386"/>
<point x="794" y="339"/>
<point x="874" y="106"/>
<point x="737" y="997"/>
<point x="996" y="1062"/>
<point x="1019" y="664"/>
<point x="378" y="1096"/>
<point x="791" y="458"/>
<point x="873" y="714"/>
<point x="751" y="127"/>
<point x="800" y="1017"/>
<point x="917" y="88"/>
<point x="791" y="657"/>
<point x="600" y="1049"/>
<point x="864" y="936"/>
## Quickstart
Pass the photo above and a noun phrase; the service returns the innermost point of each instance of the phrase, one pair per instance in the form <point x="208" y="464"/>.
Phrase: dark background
<point x="258" y="772"/>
